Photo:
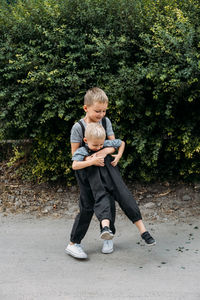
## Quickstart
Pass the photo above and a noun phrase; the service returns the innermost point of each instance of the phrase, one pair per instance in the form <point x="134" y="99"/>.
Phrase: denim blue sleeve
<point x="79" y="154"/>
<point x="112" y="143"/>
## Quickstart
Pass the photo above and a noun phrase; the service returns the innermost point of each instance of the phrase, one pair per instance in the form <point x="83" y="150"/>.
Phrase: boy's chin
<point x="97" y="120"/>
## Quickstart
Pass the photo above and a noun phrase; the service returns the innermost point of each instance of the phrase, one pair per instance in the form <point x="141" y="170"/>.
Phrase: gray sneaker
<point x="107" y="247"/>
<point x="76" y="251"/>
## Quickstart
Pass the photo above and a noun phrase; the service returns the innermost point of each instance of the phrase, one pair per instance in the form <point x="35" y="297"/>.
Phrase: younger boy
<point x="108" y="183"/>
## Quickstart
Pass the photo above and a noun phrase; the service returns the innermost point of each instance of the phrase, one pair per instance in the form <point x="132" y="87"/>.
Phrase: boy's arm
<point x="101" y="154"/>
<point x="94" y="161"/>
<point x="119" y="154"/>
<point x="74" y="147"/>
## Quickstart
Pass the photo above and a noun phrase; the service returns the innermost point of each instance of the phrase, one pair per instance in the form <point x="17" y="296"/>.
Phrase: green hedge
<point x="143" y="53"/>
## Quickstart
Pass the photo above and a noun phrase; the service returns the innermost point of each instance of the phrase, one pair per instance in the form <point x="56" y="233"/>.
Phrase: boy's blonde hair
<point x="95" y="130"/>
<point x="95" y="95"/>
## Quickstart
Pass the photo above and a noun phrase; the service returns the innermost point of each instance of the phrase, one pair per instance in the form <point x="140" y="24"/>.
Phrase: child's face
<point x="94" y="144"/>
<point x="96" y="111"/>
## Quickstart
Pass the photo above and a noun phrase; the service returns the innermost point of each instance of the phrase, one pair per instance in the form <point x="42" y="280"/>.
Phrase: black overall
<point x="99" y="187"/>
<point x="94" y="198"/>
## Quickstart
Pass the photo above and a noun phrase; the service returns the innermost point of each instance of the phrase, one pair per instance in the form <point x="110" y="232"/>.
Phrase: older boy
<point x="95" y="106"/>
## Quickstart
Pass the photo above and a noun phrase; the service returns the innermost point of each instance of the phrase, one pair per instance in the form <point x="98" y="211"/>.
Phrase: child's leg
<point x="140" y="225"/>
<point x="86" y="205"/>
<point x="126" y="201"/>
<point x="113" y="214"/>
<point x="106" y="233"/>
<point x="104" y="206"/>
<point x="81" y="225"/>
<point x="103" y="201"/>
<point x="105" y="222"/>
<point x="121" y="193"/>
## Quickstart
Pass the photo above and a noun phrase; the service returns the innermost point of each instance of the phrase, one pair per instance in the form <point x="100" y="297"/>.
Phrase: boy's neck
<point x="88" y="120"/>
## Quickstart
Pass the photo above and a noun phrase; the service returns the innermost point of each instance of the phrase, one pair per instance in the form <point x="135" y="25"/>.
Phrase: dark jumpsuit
<point x="99" y="185"/>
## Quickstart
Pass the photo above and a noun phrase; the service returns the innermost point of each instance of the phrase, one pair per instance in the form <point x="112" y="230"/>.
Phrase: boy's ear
<point x="85" y="140"/>
<point x="85" y="107"/>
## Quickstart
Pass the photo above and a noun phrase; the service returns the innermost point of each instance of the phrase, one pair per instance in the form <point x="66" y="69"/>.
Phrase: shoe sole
<point x="107" y="252"/>
<point x="106" y="236"/>
<point x="153" y="244"/>
<point x="74" y="254"/>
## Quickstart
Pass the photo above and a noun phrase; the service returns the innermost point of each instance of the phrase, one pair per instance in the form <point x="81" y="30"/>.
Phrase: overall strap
<point x="104" y="125"/>
<point x="83" y="131"/>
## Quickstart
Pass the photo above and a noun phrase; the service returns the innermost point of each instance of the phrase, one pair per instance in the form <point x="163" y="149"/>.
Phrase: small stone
<point x="18" y="204"/>
<point x="47" y="209"/>
<point x="197" y="186"/>
<point x="59" y="190"/>
<point x="73" y="189"/>
<point x="149" y="205"/>
<point x="186" y="198"/>
<point x="12" y="198"/>
<point x="149" y="196"/>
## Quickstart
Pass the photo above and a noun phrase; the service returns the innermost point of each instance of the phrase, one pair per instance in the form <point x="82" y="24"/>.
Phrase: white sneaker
<point x="76" y="251"/>
<point x="107" y="247"/>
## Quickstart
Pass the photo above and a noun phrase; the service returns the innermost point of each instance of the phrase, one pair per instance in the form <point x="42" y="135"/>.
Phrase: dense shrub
<point x="143" y="53"/>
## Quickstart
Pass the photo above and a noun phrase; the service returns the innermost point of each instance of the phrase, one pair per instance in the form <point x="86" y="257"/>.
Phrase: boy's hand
<point x="105" y="151"/>
<point x="116" y="160"/>
<point x="97" y="160"/>
<point x="86" y="158"/>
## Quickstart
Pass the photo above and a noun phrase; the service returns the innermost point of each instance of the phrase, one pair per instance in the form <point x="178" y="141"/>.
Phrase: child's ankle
<point x="105" y="223"/>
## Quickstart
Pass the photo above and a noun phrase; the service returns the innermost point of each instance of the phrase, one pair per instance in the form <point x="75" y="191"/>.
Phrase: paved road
<point x="33" y="264"/>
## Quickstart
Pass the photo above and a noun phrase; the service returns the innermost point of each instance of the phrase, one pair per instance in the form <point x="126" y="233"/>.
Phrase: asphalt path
<point x="34" y="266"/>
